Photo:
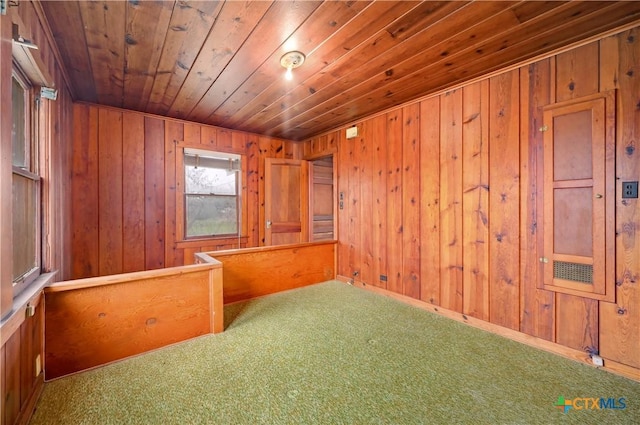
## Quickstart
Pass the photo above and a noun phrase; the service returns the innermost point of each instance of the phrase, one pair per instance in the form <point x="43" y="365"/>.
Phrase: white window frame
<point x="235" y="164"/>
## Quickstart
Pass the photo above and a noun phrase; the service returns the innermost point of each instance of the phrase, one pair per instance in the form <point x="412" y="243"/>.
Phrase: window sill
<point x="30" y="295"/>
<point x="212" y="241"/>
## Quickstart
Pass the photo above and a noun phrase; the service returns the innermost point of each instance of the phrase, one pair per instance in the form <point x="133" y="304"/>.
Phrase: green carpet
<point x="335" y="354"/>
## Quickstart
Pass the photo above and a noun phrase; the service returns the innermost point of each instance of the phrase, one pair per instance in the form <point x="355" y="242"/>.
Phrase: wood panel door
<point x="286" y="201"/>
<point x="579" y="197"/>
<point x="321" y="196"/>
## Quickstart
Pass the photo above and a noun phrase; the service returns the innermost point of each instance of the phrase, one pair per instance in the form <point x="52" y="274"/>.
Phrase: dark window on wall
<point x="211" y="195"/>
<point x="26" y="186"/>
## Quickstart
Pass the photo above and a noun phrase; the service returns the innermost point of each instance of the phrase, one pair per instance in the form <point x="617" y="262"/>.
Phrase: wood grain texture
<point x="411" y="177"/>
<point x="395" y="248"/>
<point x="261" y="271"/>
<point x="504" y="201"/>
<point x="619" y="325"/>
<point x="174" y="132"/>
<point x="93" y="323"/>
<point x="105" y="47"/>
<point x="143" y="48"/>
<point x="354" y="205"/>
<point x="475" y="199"/>
<point x="146" y="154"/>
<point x="21" y="336"/>
<point x="11" y="393"/>
<point x="154" y="161"/>
<point x="514" y="203"/>
<point x="84" y="186"/>
<point x="451" y="254"/>
<point x="430" y="200"/>
<point x="577" y="322"/>
<point x="186" y="25"/>
<point x="110" y="180"/>
<point x="365" y="145"/>
<point x="133" y="166"/>
<point x="537" y="305"/>
<point x="343" y="205"/>
<point x="379" y="183"/>
<point x="218" y="62"/>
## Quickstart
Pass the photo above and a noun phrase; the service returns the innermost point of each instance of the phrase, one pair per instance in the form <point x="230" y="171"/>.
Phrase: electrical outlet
<point x="597" y="360"/>
<point x="629" y="189"/>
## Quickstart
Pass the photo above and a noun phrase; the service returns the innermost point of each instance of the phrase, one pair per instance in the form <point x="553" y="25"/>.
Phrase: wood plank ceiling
<point x="219" y="62"/>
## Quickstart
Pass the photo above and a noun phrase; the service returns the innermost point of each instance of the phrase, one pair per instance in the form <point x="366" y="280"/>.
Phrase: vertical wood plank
<point x="537" y="305"/>
<point x="366" y="201"/>
<point x="395" y="249"/>
<point x="192" y="134"/>
<point x="12" y="379"/>
<point x="133" y="192"/>
<point x="110" y="214"/>
<point x="85" y="242"/>
<point x="264" y="146"/>
<point x="154" y="147"/>
<point x="475" y="199"/>
<point x="451" y="259"/>
<point x="380" y="254"/>
<point x="504" y="201"/>
<point x="430" y="200"/>
<point x="253" y="196"/>
<point x="239" y="142"/>
<point x="620" y="321"/>
<point x="576" y="75"/>
<point x="343" y="211"/>
<point x="411" y="201"/>
<point x="174" y="133"/>
<point x="26" y="348"/>
<point x="208" y="137"/>
<point x="354" y="205"/>
<point x="223" y="139"/>
<point x="577" y="322"/>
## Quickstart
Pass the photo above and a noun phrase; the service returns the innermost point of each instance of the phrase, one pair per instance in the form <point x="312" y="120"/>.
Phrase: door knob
<point x="598" y="196"/>
<point x="268" y="224"/>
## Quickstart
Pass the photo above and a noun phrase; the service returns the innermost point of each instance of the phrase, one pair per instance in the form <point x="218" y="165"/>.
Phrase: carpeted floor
<point x="335" y="354"/>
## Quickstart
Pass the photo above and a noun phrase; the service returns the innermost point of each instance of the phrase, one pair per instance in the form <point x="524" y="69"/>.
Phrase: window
<point x="26" y="186"/>
<point x="211" y="200"/>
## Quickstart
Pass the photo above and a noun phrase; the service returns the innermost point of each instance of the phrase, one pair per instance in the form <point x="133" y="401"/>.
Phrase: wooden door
<point x="579" y="197"/>
<point x="321" y="195"/>
<point x="286" y="201"/>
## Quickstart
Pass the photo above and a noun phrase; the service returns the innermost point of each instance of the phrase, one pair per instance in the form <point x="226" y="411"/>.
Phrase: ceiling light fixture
<point x="291" y="60"/>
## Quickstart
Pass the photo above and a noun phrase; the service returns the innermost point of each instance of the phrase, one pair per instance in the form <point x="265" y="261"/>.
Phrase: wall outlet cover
<point x="629" y="189"/>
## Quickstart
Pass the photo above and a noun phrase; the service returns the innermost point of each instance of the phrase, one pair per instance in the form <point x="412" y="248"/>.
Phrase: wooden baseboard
<point x="552" y="347"/>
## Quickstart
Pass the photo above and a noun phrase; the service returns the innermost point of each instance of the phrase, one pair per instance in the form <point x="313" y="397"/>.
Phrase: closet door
<point x="579" y="197"/>
<point x="286" y="201"/>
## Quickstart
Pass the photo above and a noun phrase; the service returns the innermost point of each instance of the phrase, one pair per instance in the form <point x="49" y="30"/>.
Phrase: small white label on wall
<point x="352" y="132"/>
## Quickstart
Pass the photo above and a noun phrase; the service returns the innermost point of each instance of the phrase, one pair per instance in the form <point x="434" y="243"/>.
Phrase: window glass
<point x="25" y="206"/>
<point x="211" y="194"/>
<point x="26" y="188"/>
<point x="18" y="130"/>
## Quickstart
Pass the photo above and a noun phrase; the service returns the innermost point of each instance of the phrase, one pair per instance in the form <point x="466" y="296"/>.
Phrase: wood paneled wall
<point x="92" y="322"/>
<point x="443" y="200"/>
<point x="22" y="338"/>
<point x="256" y="272"/>
<point x="125" y="170"/>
